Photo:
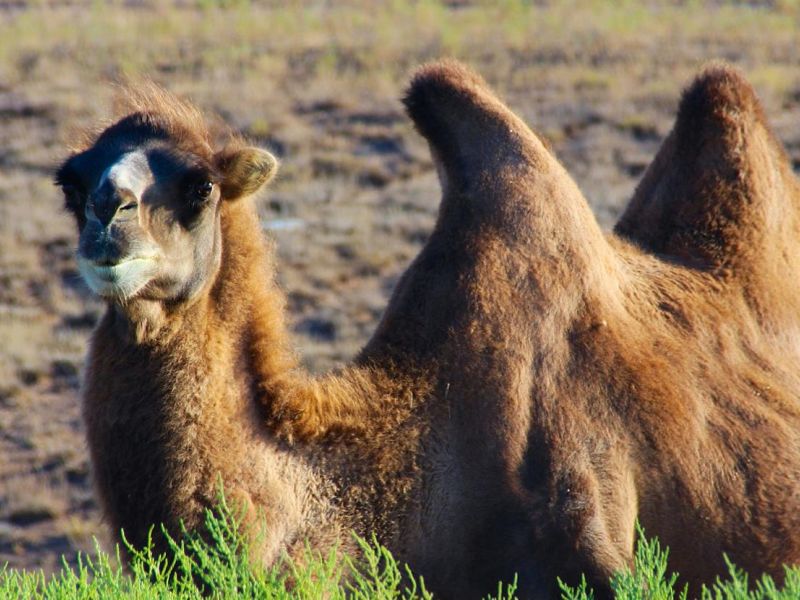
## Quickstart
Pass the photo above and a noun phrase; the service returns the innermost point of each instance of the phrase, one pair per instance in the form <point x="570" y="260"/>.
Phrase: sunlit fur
<point x="534" y="387"/>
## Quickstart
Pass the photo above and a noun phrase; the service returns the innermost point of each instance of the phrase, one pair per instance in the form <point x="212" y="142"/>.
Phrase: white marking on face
<point x="130" y="172"/>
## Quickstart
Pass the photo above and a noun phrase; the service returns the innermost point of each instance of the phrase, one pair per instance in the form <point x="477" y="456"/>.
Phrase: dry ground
<point x="318" y="83"/>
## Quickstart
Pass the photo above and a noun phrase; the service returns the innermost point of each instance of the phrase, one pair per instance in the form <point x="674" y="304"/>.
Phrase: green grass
<point x="219" y="566"/>
<point x="650" y="579"/>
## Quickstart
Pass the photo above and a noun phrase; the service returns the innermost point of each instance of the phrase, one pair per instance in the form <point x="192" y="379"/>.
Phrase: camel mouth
<point x="121" y="279"/>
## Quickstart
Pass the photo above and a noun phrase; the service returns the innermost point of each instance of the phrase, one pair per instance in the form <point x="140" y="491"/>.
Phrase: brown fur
<point x="534" y="387"/>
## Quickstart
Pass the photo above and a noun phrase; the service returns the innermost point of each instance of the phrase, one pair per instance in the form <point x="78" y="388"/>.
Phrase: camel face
<point x="147" y="220"/>
<point x="147" y="207"/>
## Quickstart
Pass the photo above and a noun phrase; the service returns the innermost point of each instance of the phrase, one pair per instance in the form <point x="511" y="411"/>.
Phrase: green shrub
<point x="649" y="580"/>
<point x="217" y="565"/>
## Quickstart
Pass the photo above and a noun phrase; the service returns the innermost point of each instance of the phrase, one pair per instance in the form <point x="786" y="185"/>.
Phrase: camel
<point x="534" y="388"/>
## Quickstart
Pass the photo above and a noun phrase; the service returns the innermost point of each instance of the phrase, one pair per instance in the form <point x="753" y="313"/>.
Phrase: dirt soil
<point x="357" y="196"/>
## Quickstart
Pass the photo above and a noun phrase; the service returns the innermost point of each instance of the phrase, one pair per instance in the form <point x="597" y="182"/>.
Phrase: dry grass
<point x="318" y="83"/>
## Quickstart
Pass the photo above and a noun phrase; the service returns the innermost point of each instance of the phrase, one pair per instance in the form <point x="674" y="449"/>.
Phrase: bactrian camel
<point x="534" y="387"/>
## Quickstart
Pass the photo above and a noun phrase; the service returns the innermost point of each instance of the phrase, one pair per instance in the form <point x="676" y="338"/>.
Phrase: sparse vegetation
<point x="218" y="566"/>
<point x="318" y="84"/>
<point x="650" y="579"/>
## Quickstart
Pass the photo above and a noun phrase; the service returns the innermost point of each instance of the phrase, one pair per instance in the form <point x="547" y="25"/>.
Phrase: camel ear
<point x="245" y="171"/>
<point x="711" y="195"/>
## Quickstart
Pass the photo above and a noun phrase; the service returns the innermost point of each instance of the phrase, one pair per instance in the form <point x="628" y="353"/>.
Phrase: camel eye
<point x="199" y="193"/>
<point x="203" y="189"/>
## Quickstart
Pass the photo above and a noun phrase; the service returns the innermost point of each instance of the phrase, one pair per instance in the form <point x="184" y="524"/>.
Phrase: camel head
<point x="147" y="193"/>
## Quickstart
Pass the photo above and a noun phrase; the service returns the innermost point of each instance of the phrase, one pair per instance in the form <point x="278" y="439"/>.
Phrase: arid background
<point x="319" y="84"/>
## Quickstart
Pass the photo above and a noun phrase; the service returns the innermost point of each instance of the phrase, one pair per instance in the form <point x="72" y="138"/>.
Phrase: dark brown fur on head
<point x="534" y="387"/>
<point x="151" y="106"/>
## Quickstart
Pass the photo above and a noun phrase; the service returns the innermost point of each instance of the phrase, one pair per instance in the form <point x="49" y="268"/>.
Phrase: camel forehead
<point x="131" y="171"/>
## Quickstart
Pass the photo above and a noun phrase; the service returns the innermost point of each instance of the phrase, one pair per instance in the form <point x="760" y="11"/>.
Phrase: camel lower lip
<point x="112" y="272"/>
<point x="121" y="279"/>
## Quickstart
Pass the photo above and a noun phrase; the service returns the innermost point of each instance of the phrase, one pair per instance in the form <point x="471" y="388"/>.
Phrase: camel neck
<point x="246" y="300"/>
<point x="181" y="402"/>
